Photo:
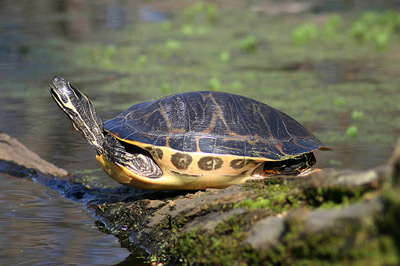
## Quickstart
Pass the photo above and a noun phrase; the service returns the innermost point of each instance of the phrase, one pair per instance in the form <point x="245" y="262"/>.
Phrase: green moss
<point x="335" y="248"/>
<point x="224" y="245"/>
<point x="388" y="223"/>
<point x="276" y="203"/>
<point x="354" y="244"/>
<point x="331" y="197"/>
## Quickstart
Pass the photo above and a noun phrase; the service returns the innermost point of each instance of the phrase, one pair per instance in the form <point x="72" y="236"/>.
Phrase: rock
<point x="320" y="221"/>
<point x="198" y="202"/>
<point x="266" y="233"/>
<point x="209" y="221"/>
<point x="395" y="165"/>
<point x="154" y="204"/>
<point x="11" y="150"/>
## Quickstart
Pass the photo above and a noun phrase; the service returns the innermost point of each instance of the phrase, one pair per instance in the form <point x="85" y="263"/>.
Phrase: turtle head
<point x="80" y="110"/>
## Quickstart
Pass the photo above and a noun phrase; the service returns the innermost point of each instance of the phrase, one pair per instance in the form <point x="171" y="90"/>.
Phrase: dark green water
<point x="123" y="52"/>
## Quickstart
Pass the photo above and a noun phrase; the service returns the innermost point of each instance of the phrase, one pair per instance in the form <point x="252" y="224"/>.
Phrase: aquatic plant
<point x="304" y="34"/>
<point x="200" y="8"/>
<point x="225" y="56"/>
<point x="249" y="44"/>
<point x="332" y="26"/>
<point x="212" y="12"/>
<point x="214" y="84"/>
<point x="172" y="44"/>
<point x="352" y="131"/>
<point x="376" y="28"/>
<point x="371" y="28"/>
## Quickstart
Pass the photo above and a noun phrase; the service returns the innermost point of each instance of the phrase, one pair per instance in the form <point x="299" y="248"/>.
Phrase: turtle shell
<point x="216" y="123"/>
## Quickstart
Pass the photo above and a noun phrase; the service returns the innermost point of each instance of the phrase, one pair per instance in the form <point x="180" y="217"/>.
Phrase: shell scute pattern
<point x="215" y="123"/>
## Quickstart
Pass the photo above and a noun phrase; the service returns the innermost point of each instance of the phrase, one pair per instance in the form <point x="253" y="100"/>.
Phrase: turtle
<point x="192" y="140"/>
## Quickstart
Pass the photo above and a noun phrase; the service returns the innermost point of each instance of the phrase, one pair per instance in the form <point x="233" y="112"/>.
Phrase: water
<point x="38" y="226"/>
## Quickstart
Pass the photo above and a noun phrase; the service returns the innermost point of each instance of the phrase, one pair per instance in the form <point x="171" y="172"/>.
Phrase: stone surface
<point x="12" y="150"/>
<point x="324" y="220"/>
<point x="209" y="221"/>
<point x="395" y="165"/>
<point x="266" y="232"/>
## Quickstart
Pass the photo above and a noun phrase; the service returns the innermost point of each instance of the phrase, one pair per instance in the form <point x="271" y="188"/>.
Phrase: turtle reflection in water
<point x="193" y="140"/>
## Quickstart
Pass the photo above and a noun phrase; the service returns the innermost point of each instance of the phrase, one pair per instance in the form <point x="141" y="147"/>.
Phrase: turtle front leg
<point x="141" y="164"/>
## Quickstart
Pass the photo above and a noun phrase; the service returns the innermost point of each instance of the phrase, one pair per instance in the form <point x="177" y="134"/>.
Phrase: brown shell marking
<point x="159" y="153"/>
<point x="237" y="163"/>
<point x="208" y="163"/>
<point x="181" y="160"/>
<point x="201" y="164"/>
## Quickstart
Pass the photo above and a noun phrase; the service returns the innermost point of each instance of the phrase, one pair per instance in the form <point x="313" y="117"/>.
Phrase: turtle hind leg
<point x="132" y="157"/>
<point x="292" y="166"/>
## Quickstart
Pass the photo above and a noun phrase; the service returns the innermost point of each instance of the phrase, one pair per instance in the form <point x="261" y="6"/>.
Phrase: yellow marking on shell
<point x="279" y="148"/>
<point x="198" y="145"/>
<point x="164" y="115"/>
<point x="219" y="114"/>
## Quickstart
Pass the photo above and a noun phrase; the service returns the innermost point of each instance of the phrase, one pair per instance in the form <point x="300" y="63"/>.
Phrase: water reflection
<point x="116" y="16"/>
<point x="150" y="13"/>
<point x="88" y="17"/>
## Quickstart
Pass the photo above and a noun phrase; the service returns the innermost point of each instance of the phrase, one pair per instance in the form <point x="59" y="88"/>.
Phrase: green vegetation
<point x="371" y="28"/>
<point x="223" y="248"/>
<point x="249" y="44"/>
<point x="352" y="131"/>
<point x="304" y="33"/>
<point x="376" y="28"/>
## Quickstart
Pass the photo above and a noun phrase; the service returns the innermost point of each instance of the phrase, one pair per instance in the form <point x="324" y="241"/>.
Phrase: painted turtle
<point x="193" y="140"/>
